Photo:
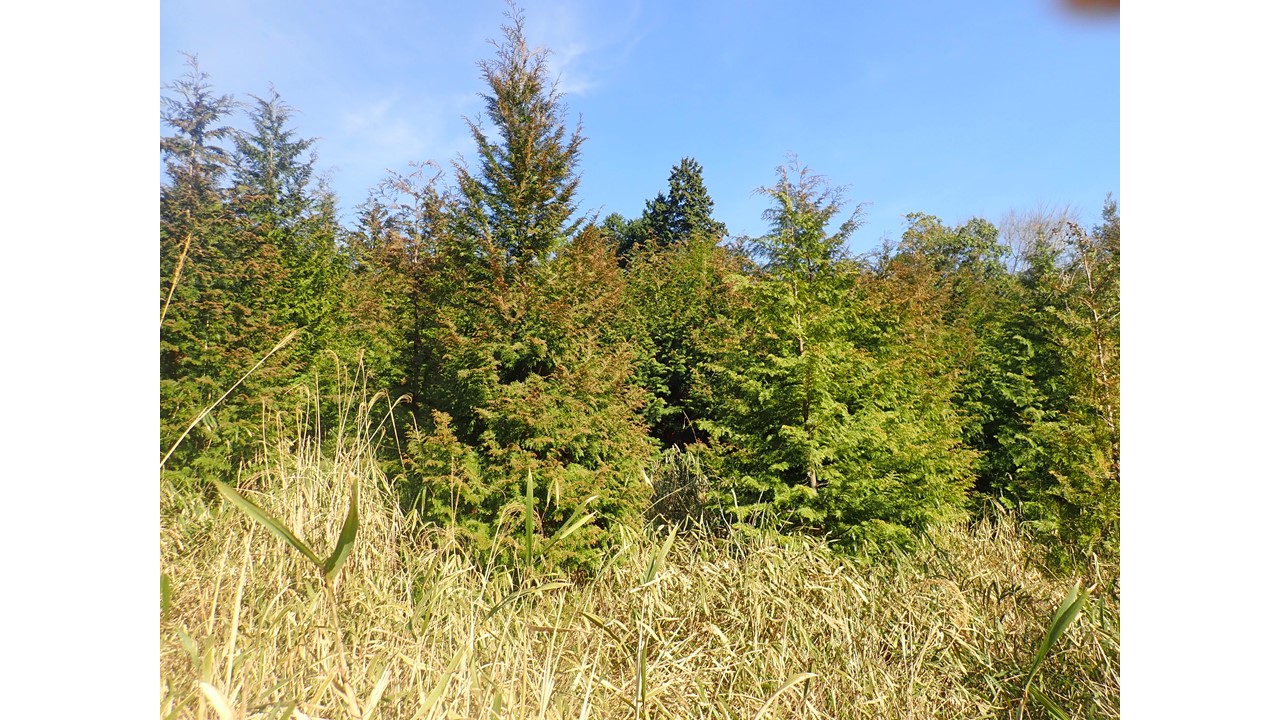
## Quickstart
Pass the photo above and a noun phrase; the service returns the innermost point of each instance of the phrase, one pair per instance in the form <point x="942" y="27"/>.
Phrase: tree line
<point x="635" y="366"/>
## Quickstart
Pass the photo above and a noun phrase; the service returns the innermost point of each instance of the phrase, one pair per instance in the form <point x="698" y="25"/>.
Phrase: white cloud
<point x="583" y="39"/>
<point x="572" y="78"/>
<point x="390" y="132"/>
<point x="353" y="122"/>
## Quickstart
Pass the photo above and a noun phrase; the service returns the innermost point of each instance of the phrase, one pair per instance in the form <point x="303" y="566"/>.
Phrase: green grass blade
<point x="656" y="562"/>
<point x="528" y="519"/>
<point x="1050" y="706"/>
<point x="267" y="521"/>
<point x="190" y="645"/>
<point x="1062" y="618"/>
<point x="642" y="672"/>
<point x="573" y="524"/>
<point x="347" y="539"/>
<point x="603" y="625"/>
<point x="166" y="593"/>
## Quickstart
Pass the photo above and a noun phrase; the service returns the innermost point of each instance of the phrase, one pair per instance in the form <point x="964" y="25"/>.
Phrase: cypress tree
<point x="532" y="373"/>
<point x="828" y="416"/>
<point x="197" y="289"/>
<point x="520" y="202"/>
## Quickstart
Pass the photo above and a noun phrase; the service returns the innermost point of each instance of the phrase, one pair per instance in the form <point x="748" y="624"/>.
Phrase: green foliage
<point x="626" y="235"/>
<point x="506" y="334"/>
<point x="1075" y="600"/>
<point x="1053" y="431"/>
<point x="219" y="286"/>
<point x="554" y="374"/>
<point x="242" y="265"/>
<point x="829" y="413"/>
<point x="681" y="213"/>
<point x="519" y="204"/>
<point x="681" y="303"/>
<point x="193" y="158"/>
<point x="545" y="386"/>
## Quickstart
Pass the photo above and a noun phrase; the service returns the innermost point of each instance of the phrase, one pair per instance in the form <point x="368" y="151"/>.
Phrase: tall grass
<point x="674" y="625"/>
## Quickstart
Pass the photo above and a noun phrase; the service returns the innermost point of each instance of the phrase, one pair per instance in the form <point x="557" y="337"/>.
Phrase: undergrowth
<point x="692" y="624"/>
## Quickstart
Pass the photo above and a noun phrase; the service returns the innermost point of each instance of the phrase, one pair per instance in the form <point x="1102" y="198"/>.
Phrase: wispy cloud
<point x="582" y="39"/>
<point x="560" y="28"/>
<point x="390" y="132"/>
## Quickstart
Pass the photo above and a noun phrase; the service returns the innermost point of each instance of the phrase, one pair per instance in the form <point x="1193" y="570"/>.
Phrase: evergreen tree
<point x="1060" y="436"/>
<point x="626" y="235"/>
<point x="684" y="211"/>
<point x="193" y="159"/>
<point x="954" y="280"/>
<point x="681" y="301"/>
<point x="681" y="213"/>
<point x="193" y="224"/>
<point x="829" y="417"/>
<point x="272" y="170"/>
<point x="529" y="371"/>
<point x="248" y="254"/>
<point x="520" y="202"/>
<point x="273" y="196"/>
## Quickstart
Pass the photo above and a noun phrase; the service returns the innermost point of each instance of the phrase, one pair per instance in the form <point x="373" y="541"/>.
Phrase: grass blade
<point x="528" y="519"/>
<point x="575" y="523"/>
<point x="270" y="523"/>
<point x="656" y="562"/>
<point x="219" y="701"/>
<point x="347" y="539"/>
<point x="1062" y="618"/>
<point x="166" y="593"/>
<point x="1050" y="706"/>
<point x="429" y="703"/>
<point x="642" y="675"/>
<point x="191" y="646"/>
<point x="791" y="682"/>
<point x="603" y="625"/>
<point x="379" y="688"/>
<point x="554" y="585"/>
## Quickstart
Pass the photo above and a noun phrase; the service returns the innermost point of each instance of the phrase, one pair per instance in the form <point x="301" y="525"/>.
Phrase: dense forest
<point x="640" y="369"/>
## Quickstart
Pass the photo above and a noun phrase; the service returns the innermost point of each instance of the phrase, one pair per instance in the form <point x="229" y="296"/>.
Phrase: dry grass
<point x="729" y="627"/>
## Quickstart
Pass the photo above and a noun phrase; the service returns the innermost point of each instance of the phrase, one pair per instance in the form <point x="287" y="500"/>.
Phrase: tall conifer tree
<point x="530" y="373"/>
<point x="520" y="202"/>
<point x="828" y="416"/>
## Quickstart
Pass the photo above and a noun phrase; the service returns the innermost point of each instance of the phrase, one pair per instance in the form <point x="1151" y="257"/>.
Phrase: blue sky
<point x="945" y="108"/>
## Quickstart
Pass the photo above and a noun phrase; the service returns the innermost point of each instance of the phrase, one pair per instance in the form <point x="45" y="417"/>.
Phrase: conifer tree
<point x="827" y="416"/>
<point x="194" y="160"/>
<point x="1056" y="435"/>
<point x="681" y="213"/>
<point x="528" y="370"/>
<point x="519" y="203"/>
<point x="241" y="267"/>
<point x="272" y="168"/>
<point x="684" y="211"/>
<point x="196" y="231"/>
<point x="954" y="282"/>
<point x="681" y="300"/>
<point x="284" y="215"/>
